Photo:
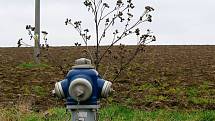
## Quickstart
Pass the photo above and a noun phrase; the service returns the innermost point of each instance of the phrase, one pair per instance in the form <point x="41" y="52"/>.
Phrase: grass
<point x="199" y="100"/>
<point x="119" y="113"/>
<point x="111" y="113"/>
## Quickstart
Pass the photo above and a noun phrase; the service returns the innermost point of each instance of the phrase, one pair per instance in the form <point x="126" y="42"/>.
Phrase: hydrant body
<point x="82" y="85"/>
<point x="82" y="88"/>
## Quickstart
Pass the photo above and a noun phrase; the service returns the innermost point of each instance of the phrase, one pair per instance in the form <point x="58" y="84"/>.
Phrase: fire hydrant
<point x="82" y="88"/>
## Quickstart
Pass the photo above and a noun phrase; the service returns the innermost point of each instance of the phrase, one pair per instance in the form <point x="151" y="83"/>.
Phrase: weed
<point x="38" y="90"/>
<point x="192" y="92"/>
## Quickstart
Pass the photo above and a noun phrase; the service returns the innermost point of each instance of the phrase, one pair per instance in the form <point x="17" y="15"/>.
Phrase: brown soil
<point x="176" y="77"/>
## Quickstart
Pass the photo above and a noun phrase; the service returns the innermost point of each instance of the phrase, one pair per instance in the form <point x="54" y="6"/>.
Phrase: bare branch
<point x="120" y="37"/>
<point x="109" y="63"/>
<point x="103" y="17"/>
<point x="23" y="43"/>
<point x="79" y="30"/>
<point x="94" y="7"/>
<point x="98" y="5"/>
<point x="106" y="28"/>
<point x="110" y="23"/>
<point x="102" y="11"/>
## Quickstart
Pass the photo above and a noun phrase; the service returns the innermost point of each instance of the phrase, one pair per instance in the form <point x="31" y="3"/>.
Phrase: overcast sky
<point x="181" y="22"/>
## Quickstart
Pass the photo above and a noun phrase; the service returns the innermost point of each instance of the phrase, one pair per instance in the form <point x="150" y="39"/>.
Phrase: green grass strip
<point x="111" y="113"/>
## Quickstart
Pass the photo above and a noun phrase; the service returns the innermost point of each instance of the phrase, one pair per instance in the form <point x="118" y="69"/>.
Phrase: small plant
<point x="106" y="17"/>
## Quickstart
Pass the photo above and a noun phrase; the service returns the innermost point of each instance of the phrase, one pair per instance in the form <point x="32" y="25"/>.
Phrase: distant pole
<point x="37" y="32"/>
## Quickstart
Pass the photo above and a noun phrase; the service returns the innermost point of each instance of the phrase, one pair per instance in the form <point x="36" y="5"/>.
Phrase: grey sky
<point x="174" y="21"/>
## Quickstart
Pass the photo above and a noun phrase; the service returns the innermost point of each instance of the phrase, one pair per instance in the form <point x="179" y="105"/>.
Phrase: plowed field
<point x="176" y="77"/>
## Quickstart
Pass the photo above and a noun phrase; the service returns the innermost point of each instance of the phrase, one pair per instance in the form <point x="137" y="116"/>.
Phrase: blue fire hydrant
<point x="82" y="88"/>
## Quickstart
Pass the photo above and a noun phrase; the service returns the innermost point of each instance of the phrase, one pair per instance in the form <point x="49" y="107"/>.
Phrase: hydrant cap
<point x="83" y="63"/>
<point x="80" y="89"/>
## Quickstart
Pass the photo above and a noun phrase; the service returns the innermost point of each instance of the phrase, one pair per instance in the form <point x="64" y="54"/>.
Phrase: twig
<point x="84" y="39"/>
